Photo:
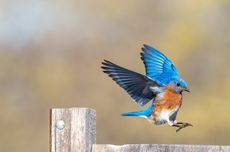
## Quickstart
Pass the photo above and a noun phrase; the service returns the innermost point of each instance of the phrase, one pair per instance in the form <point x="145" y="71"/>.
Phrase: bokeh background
<point x="51" y="53"/>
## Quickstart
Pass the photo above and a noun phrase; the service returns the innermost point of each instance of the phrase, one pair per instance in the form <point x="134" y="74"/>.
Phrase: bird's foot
<point x="185" y="124"/>
<point x="181" y="125"/>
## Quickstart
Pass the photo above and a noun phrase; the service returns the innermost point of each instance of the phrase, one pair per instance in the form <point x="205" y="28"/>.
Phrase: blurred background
<point x="51" y="53"/>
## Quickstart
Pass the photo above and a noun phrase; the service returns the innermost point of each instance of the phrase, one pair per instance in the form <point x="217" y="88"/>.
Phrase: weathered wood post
<point x="72" y="129"/>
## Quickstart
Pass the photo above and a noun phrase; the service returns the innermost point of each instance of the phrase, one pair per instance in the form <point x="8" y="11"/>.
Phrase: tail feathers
<point x="144" y="113"/>
<point x="135" y="114"/>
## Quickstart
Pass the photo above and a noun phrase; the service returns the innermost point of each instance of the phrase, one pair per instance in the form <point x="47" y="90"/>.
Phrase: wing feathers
<point x="136" y="85"/>
<point x="157" y="65"/>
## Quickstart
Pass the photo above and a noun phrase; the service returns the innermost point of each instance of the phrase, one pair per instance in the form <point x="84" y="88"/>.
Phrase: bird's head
<point x="179" y="85"/>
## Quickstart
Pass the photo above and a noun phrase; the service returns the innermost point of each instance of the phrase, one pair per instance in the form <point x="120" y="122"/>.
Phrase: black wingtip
<point x="104" y="66"/>
<point x="145" y="45"/>
<point x="107" y="62"/>
<point x="143" y="49"/>
<point x="104" y="61"/>
<point x="142" y="55"/>
<point x="107" y="66"/>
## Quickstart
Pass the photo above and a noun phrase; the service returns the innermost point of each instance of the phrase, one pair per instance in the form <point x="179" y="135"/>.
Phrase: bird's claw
<point x="182" y="125"/>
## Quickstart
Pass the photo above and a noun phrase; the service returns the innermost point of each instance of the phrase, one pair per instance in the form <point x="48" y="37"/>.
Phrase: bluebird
<point x="161" y="85"/>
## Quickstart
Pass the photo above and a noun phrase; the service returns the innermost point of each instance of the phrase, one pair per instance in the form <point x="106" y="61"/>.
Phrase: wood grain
<point x="79" y="132"/>
<point x="159" y="148"/>
<point x="74" y="130"/>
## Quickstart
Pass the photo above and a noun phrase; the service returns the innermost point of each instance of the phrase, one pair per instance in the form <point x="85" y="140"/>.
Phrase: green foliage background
<point x="51" y="53"/>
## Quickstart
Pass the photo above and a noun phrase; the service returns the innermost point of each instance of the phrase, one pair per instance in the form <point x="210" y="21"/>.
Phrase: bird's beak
<point x="187" y="89"/>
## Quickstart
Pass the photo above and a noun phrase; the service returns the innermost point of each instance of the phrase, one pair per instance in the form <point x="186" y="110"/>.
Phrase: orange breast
<point x="170" y="100"/>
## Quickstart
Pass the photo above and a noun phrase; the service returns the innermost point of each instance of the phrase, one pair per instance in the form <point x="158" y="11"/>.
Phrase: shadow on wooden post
<point x="72" y="129"/>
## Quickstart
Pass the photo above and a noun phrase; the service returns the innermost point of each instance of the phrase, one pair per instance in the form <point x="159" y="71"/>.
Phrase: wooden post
<point x="72" y="129"/>
<point x="159" y="147"/>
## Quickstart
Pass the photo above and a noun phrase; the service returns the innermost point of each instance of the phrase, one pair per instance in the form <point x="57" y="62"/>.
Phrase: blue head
<point x="179" y="85"/>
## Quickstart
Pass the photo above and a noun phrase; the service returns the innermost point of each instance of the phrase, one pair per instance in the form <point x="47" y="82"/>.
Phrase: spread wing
<point x="158" y="66"/>
<point x="141" y="88"/>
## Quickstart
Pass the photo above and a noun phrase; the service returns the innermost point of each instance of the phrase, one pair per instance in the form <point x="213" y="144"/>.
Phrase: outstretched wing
<point x="158" y="66"/>
<point x="138" y="86"/>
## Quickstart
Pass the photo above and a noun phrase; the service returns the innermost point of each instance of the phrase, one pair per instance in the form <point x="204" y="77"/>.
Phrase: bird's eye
<point x="178" y="84"/>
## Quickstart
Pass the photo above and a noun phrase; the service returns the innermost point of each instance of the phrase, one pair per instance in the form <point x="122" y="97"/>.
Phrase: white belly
<point x="164" y="116"/>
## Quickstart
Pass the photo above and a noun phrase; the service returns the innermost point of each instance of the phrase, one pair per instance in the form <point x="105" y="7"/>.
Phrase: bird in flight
<point x="162" y="85"/>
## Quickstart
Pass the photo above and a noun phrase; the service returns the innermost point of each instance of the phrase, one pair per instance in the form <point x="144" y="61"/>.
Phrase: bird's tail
<point x="144" y="113"/>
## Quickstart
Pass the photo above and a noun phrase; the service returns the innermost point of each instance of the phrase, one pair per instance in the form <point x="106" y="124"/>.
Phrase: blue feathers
<point x="138" y="86"/>
<point x="144" y="113"/>
<point x="158" y="66"/>
<point x="161" y="74"/>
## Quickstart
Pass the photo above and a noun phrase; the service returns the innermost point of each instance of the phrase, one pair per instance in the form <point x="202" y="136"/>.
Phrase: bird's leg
<point x="185" y="124"/>
<point x="176" y="125"/>
<point x="181" y="125"/>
